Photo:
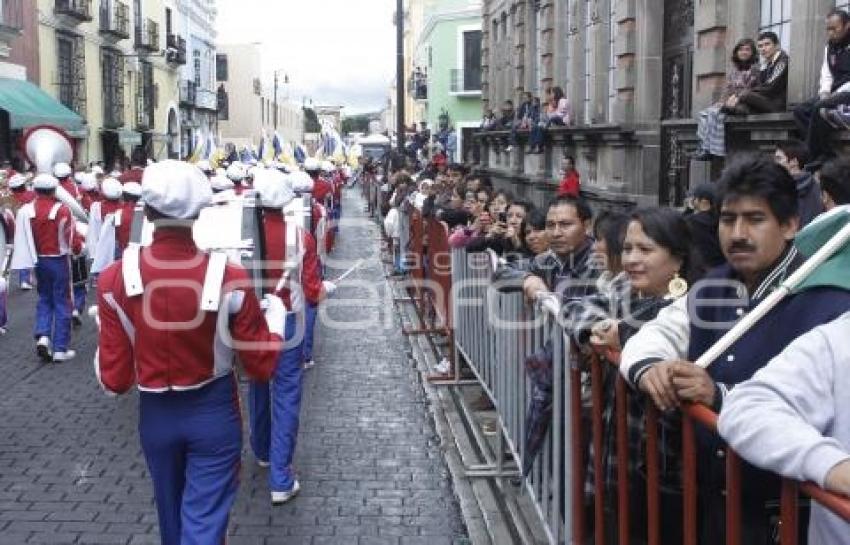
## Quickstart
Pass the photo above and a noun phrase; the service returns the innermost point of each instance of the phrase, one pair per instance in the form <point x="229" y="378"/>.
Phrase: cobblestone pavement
<point x="370" y="464"/>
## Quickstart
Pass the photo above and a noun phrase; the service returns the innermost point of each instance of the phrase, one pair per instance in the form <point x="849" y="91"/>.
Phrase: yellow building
<point x="116" y="63"/>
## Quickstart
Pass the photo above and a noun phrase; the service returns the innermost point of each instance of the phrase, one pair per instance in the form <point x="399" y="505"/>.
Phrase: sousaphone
<point x="44" y="146"/>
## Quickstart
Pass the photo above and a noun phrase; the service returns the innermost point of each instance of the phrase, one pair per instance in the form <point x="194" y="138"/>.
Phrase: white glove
<point x="329" y="286"/>
<point x="275" y="313"/>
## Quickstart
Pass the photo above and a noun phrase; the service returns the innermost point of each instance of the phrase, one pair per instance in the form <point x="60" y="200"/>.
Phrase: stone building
<point x="636" y="73"/>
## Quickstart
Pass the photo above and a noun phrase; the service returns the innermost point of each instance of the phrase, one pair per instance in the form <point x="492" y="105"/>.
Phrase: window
<point x="112" y="65"/>
<point x="472" y="60"/>
<point x="65" y="73"/>
<point x="612" y="59"/>
<point x="168" y="21"/>
<point x="534" y="45"/>
<point x="776" y="17"/>
<point x="221" y="67"/>
<point x="843" y="4"/>
<point x="197" y="63"/>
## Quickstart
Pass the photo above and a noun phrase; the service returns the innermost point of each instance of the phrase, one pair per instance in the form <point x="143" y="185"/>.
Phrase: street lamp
<point x="285" y="82"/>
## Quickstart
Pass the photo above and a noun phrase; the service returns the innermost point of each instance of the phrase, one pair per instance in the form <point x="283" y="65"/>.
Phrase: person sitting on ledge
<point x="770" y="93"/>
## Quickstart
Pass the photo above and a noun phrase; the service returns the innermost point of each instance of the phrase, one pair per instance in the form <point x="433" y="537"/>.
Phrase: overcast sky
<point x="334" y="51"/>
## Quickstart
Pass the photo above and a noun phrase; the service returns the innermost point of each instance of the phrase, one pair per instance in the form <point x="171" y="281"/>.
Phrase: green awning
<point x="29" y="106"/>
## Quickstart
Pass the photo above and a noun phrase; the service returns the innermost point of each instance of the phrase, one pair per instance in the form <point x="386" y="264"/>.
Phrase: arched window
<point x="776" y="17"/>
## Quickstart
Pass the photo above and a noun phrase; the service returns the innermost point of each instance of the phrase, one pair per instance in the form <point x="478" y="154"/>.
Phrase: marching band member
<point x="22" y="195"/>
<point x="237" y="172"/>
<point x="90" y="193"/>
<point x="100" y="239"/>
<point x="44" y="238"/>
<point x="65" y="174"/>
<point x="189" y="416"/>
<point x="293" y="271"/>
<point x="132" y="192"/>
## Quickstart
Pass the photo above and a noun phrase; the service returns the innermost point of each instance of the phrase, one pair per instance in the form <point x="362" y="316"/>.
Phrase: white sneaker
<point x="2" y="330"/>
<point x="26" y="286"/>
<point x="279" y="498"/>
<point x="67" y="355"/>
<point x="263" y="463"/>
<point x="443" y="367"/>
<point x="42" y="348"/>
<point x="309" y="364"/>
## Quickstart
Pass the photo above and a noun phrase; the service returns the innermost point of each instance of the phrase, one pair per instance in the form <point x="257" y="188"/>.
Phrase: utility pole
<point x="400" y="131"/>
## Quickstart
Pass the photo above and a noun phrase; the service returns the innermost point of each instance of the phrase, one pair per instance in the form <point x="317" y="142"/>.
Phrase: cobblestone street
<point x="369" y="461"/>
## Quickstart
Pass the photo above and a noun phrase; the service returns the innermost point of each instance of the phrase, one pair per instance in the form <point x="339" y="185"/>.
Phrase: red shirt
<point x="23" y="196"/>
<point x="132" y="175"/>
<point x="88" y="198"/>
<point x="70" y="186"/>
<point x="161" y="340"/>
<point x="122" y="232"/>
<point x="321" y="189"/>
<point x="108" y="206"/>
<point x="570" y="185"/>
<point x="53" y="237"/>
<point x="274" y="228"/>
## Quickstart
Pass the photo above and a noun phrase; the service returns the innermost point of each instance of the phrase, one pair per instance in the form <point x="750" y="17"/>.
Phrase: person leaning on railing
<point x="792" y="418"/>
<point x="758" y="222"/>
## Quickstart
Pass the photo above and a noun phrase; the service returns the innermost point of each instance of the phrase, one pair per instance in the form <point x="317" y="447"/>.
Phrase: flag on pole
<point x="276" y="144"/>
<point x="835" y="271"/>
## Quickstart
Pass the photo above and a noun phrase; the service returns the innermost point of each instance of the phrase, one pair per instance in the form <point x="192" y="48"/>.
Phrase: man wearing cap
<point x="292" y="273"/>
<point x="178" y="347"/>
<point x="236" y="173"/>
<point x="21" y="195"/>
<point x="89" y="194"/>
<point x="100" y="239"/>
<point x="44" y="239"/>
<point x="130" y="195"/>
<point x="65" y="174"/>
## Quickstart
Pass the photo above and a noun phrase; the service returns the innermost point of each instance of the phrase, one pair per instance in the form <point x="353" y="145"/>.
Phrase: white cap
<point x="134" y="189"/>
<point x="62" y="170"/>
<point x="204" y="165"/>
<point x="115" y="174"/>
<point x="97" y="170"/>
<point x="236" y="171"/>
<point x="45" y="181"/>
<point x="221" y="172"/>
<point x="252" y="172"/>
<point x="111" y="188"/>
<point x="16" y="181"/>
<point x="312" y="165"/>
<point x="79" y="176"/>
<point x="220" y="183"/>
<point x="176" y="189"/>
<point x="274" y="188"/>
<point x="301" y="182"/>
<point x="327" y="167"/>
<point x="89" y="182"/>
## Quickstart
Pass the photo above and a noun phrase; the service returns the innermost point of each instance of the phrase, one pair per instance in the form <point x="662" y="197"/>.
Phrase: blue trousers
<point x="275" y="409"/>
<point x="24" y="276"/>
<point x="192" y="443"/>
<point x="80" y="298"/>
<point x="53" y="311"/>
<point x="312" y="312"/>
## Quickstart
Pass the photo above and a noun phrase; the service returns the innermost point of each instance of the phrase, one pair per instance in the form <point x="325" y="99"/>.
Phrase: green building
<point x="448" y="58"/>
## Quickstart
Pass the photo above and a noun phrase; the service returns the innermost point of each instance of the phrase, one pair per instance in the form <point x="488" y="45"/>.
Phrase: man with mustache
<point x="758" y="221"/>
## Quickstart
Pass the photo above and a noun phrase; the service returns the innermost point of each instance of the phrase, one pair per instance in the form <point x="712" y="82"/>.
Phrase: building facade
<point x="250" y="107"/>
<point x="636" y="73"/>
<point x="449" y="53"/>
<point x="198" y="94"/>
<point x="107" y="60"/>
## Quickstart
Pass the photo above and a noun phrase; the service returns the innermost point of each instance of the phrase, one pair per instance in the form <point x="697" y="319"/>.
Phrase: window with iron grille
<point x="776" y="17"/>
<point x="221" y="67"/>
<point x="196" y="58"/>
<point x="112" y="66"/>
<point x="71" y="70"/>
<point x="145" y="96"/>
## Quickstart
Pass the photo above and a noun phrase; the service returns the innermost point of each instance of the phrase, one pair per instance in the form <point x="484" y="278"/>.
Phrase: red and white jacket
<point x="88" y="198"/>
<point x="23" y="196"/>
<point x="69" y="185"/>
<point x="154" y="333"/>
<point x="44" y="228"/>
<point x="303" y="270"/>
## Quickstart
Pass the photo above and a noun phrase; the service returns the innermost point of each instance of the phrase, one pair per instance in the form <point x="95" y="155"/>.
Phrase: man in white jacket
<point x="792" y="418"/>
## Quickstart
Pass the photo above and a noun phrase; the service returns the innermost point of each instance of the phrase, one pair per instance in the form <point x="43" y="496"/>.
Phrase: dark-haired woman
<point x="556" y="111"/>
<point x="742" y="75"/>
<point x="658" y="263"/>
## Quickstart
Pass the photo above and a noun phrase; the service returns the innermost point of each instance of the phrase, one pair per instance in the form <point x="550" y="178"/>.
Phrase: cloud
<point x="334" y="51"/>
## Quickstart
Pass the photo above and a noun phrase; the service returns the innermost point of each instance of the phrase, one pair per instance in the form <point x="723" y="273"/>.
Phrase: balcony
<point x="206" y="99"/>
<point x="115" y="22"/>
<point x="147" y="37"/>
<point x="188" y="93"/>
<point x="465" y="82"/>
<point x="73" y="12"/>
<point x="175" y="49"/>
<point x="417" y="86"/>
<point x="11" y="22"/>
